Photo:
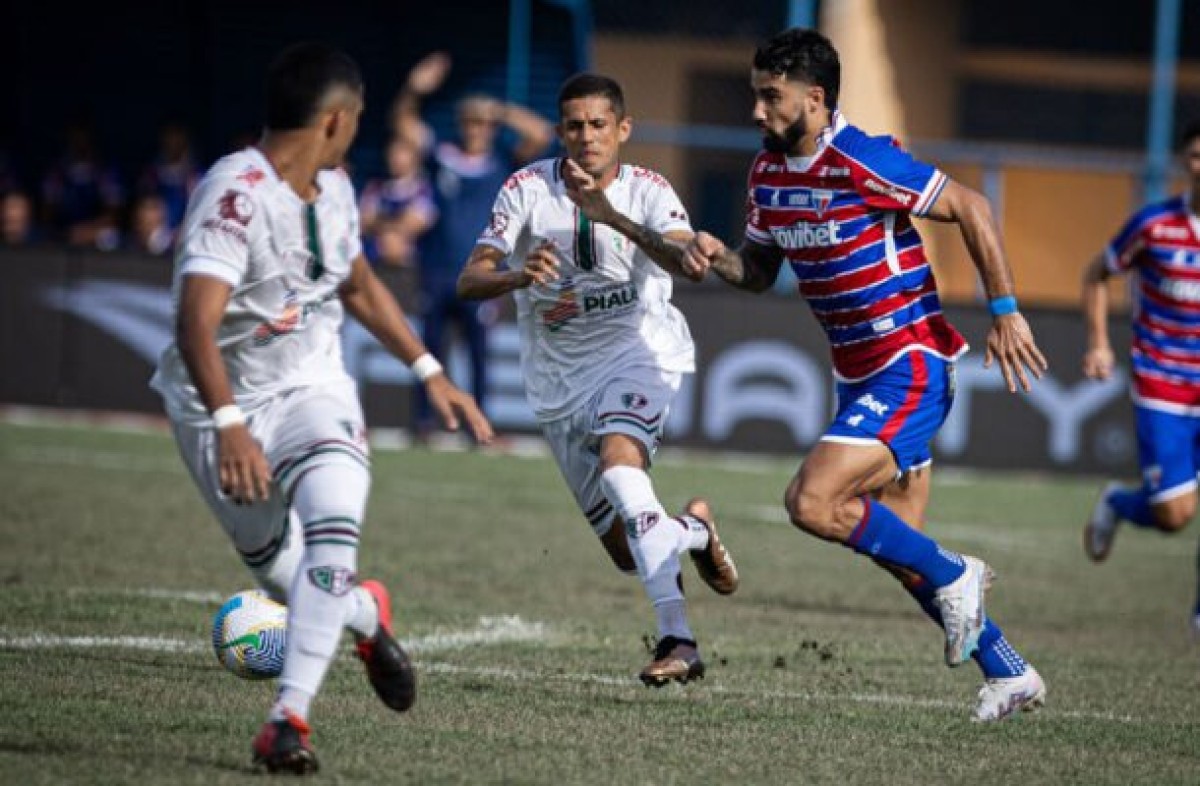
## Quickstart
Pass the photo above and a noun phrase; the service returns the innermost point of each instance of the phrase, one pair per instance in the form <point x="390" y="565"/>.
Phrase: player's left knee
<point x="1176" y="515"/>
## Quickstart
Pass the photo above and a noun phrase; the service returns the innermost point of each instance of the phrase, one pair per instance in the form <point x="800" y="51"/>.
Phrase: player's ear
<point x="624" y="129"/>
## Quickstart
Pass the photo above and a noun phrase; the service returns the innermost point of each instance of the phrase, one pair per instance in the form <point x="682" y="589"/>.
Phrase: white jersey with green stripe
<point x="285" y="260"/>
<point x="611" y="306"/>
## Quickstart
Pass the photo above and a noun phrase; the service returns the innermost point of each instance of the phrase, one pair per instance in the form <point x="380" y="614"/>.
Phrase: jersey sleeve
<point x="1123" y="251"/>
<point x="510" y="211"/>
<point x="664" y="210"/>
<point x="757" y="231"/>
<point x="221" y="226"/>
<point x="890" y="178"/>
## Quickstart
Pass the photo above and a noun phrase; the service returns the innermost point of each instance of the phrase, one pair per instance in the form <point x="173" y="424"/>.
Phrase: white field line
<point x="508" y="628"/>
<point x="489" y="630"/>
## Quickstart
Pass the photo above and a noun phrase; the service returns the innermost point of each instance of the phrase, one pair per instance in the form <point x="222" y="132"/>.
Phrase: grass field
<point x="527" y="641"/>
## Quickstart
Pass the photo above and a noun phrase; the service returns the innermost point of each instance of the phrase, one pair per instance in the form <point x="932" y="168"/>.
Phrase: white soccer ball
<point x="249" y="635"/>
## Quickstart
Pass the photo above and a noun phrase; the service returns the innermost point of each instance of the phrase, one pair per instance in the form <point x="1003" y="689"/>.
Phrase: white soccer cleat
<point x="961" y="604"/>
<point x="1101" y="528"/>
<point x="1001" y="697"/>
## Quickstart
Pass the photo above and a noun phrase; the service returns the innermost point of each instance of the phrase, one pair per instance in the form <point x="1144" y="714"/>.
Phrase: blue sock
<point x="995" y="656"/>
<point x="1132" y="505"/>
<point x="883" y="535"/>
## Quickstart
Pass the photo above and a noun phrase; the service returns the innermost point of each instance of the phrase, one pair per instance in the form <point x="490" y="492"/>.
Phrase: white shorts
<point x="634" y="402"/>
<point x="298" y="430"/>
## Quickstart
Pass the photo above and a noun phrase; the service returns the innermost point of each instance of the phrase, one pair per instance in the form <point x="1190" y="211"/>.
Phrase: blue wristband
<point x="1000" y="306"/>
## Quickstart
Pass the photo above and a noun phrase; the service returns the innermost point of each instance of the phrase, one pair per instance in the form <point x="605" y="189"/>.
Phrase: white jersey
<point x="285" y="260"/>
<point x="611" y="306"/>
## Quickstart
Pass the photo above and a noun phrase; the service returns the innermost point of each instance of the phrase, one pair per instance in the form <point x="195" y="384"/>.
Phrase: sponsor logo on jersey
<point x="611" y="300"/>
<point x="564" y="309"/>
<point x="294" y="317"/>
<point x="497" y="224"/>
<point x="873" y="404"/>
<point x="767" y="166"/>
<point x="251" y="176"/>
<point x="1180" y="289"/>
<point x="833" y="171"/>
<point x="889" y="191"/>
<point x="235" y="206"/>
<point x="1167" y="232"/>
<point x="804" y="234"/>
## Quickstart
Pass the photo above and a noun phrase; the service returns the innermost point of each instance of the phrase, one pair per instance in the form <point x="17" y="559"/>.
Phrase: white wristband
<point x="426" y="366"/>
<point x="228" y="415"/>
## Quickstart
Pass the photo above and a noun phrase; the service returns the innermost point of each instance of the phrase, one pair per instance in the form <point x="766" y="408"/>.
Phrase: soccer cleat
<point x="674" y="659"/>
<point x="388" y="667"/>
<point x="961" y="605"/>
<point x="1001" y="697"/>
<point x="714" y="564"/>
<point x="283" y="746"/>
<point x="1101" y="528"/>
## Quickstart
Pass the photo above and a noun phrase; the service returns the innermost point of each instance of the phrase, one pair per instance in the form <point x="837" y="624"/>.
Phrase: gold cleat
<point x="714" y="564"/>
<point x="674" y="659"/>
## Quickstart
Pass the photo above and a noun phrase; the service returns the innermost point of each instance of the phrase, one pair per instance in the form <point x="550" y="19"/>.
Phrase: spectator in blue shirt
<point x="395" y="211"/>
<point x="82" y="196"/>
<point x="466" y="174"/>
<point x="173" y="175"/>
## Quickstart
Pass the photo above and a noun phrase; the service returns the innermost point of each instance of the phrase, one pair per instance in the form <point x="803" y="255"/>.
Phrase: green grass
<point x="821" y="670"/>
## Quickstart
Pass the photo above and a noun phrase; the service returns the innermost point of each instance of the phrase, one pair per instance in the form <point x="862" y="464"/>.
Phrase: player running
<point x="1161" y="243"/>
<point x="835" y="204"/>
<point x="590" y="244"/>
<point x="264" y="414"/>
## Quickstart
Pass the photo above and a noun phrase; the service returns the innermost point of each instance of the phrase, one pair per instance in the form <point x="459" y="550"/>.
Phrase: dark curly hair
<point x="803" y="55"/>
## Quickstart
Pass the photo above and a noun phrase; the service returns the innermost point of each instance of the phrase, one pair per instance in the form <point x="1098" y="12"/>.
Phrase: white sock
<point x="656" y="540"/>
<point x="696" y="538"/>
<point x="329" y="502"/>
<point x="363" y="616"/>
<point x="290" y="701"/>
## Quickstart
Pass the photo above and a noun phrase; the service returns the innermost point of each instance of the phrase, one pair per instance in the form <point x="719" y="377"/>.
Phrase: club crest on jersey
<point x="335" y="581"/>
<point x="634" y="400"/>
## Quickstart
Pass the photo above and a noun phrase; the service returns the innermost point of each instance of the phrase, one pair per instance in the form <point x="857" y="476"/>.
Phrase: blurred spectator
<point x="466" y="175"/>
<point x="173" y="174"/>
<point x="16" y="220"/>
<point x="149" y="228"/>
<point x="397" y="210"/>
<point x="81" y="195"/>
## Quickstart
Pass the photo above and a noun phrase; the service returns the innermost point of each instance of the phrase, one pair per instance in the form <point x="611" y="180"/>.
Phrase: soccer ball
<point x="249" y="635"/>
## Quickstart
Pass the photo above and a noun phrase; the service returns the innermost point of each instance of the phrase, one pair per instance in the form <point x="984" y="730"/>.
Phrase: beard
<point x="786" y="142"/>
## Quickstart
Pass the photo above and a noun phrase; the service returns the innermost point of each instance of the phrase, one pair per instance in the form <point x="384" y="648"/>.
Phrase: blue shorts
<point x="1169" y="451"/>
<point x="901" y="406"/>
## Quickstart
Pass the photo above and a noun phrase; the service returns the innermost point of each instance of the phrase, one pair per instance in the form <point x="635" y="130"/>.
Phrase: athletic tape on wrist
<point x="228" y="415"/>
<point x="426" y="366"/>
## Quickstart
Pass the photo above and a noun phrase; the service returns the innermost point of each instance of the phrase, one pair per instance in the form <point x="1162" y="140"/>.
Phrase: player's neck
<point x="810" y="143"/>
<point x="295" y="160"/>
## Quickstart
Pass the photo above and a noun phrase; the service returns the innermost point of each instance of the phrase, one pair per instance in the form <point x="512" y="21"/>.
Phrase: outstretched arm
<point x="372" y="304"/>
<point x="1010" y="341"/>
<point x="1098" y="359"/>
<point x="424" y="78"/>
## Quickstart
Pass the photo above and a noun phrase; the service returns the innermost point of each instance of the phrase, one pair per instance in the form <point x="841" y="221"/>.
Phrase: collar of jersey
<point x="802" y="163"/>
<point x="278" y="181"/>
<point x="561" y="184"/>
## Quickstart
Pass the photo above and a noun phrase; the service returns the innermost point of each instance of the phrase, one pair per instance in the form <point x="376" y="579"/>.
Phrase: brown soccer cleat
<point x="674" y="659"/>
<point x="714" y="564"/>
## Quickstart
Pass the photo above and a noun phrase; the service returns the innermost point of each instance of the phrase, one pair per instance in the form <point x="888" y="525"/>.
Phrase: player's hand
<point x="584" y="191"/>
<point x="450" y="403"/>
<point x="429" y="74"/>
<point x="699" y="255"/>
<point x="1098" y="363"/>
<point x="243" y="471"/>
<point x="541" y="266"/>
<point x="1010" y="342"/>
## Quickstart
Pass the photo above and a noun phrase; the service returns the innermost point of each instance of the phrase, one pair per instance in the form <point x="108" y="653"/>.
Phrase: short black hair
<point x="299" y="80"/>
<point x="1191" y="131"/>
<point x="803" y="55"/>
<point x="585" y="85"/>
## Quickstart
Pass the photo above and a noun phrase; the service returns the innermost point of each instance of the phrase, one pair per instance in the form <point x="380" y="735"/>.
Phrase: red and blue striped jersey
<point x="1162" y="243"/>
<point x="841" y="218"/>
